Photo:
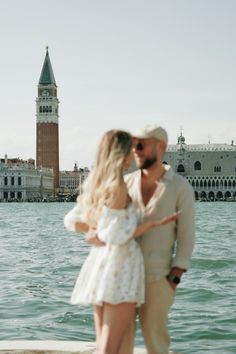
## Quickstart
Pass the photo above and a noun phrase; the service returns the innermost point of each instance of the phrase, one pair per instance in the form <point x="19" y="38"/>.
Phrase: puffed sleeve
<point x="74" y="216"/>
<point x="116" y="228"/>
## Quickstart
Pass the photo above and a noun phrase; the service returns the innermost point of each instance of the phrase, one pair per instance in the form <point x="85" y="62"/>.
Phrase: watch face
<point x="173" y="279"/>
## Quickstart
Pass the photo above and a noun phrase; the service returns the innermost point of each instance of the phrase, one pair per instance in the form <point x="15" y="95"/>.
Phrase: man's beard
<point x="148" y="163"/>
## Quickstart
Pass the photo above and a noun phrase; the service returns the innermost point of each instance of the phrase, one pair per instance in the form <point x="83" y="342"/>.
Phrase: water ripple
<point x="40" y="261"/>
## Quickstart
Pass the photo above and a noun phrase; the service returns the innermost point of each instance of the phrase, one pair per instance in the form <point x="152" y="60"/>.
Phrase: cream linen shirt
<point x="169" y="245"/>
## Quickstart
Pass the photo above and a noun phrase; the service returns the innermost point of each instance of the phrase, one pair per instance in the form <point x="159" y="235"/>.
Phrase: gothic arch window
<point x="19" y="181"/>
<point x="213" y="183"/>
<point x="209" y="183"/>
<point x="234" y="183"/>
<point x="193" y="184"/>
<point x="40" y="109"/>
<point x="229" y="183"/>
<point x="180" y="168"/>
<point x="219" y="196"/>
<point x="197" y="183"/>
<point x="225" y="183"/>
<point x="211" y="196"/>
<point x="5" y="181"/>
<point x="197" y="166"/>
<point x="201" y="183"/>
<point x="217" y="183"/>
<point x="217" y="169"/>
<point x="205" y="183"/>
<point x="221" y="183"/>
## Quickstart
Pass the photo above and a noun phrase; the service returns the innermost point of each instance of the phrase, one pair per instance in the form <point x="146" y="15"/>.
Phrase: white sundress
<point x="113" y="273"/>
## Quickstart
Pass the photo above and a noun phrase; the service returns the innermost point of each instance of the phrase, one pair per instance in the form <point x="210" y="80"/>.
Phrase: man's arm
<point x="93" y="238"/>
<point x="185" y="234"/>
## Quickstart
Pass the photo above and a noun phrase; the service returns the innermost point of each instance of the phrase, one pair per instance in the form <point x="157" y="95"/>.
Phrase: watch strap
<point x="173" y="278"/>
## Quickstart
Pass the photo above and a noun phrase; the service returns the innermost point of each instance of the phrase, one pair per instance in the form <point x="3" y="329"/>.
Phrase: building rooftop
<point x="201" y="147"/>
<point x="182" y="146"/>
<point x="47" y="76"/>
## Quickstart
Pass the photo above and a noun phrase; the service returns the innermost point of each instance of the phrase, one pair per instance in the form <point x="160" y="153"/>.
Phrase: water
<point x="40" y="260"/>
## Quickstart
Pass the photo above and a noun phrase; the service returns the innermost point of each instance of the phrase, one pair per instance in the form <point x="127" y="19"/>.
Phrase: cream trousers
<point x="153" y="315"/>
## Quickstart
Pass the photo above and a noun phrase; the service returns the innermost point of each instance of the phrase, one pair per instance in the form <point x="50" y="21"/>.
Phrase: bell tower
<point x="47" y="132"/>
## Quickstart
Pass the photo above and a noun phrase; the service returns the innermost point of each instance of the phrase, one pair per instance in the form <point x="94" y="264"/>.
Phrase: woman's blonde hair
<point x="106" y="175"/>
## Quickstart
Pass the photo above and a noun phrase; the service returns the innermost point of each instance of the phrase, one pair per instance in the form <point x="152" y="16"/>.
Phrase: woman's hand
<point x="167" y="219"/>
<point x="92" y="238"/>
<point x="150" y="224"/>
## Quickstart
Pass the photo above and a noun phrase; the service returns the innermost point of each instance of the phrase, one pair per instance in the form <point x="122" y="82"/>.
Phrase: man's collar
<point x="169" y="173"/>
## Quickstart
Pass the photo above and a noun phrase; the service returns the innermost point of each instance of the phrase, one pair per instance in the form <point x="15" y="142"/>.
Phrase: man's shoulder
<point x="181" y="181"/>
<point x="178" y="178"/>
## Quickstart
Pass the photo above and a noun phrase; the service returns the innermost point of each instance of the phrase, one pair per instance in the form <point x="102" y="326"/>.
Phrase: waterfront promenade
<point x="51" y="347"/>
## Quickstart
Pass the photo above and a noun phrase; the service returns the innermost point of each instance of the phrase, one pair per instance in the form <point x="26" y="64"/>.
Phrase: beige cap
<point x="152" y="131"/>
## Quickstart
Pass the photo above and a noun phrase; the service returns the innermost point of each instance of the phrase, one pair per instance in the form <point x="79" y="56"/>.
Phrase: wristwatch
<point x="173" y="278"/>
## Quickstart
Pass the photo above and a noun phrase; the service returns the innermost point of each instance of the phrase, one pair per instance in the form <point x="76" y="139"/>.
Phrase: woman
<point x="112" y="277"/>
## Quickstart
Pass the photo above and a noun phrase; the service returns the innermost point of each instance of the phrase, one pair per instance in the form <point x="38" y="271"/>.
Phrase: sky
<point x="118" y="64"/>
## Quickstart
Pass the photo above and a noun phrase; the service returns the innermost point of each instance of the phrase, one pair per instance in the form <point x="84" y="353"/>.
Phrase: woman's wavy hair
<point x="106" y="175"/>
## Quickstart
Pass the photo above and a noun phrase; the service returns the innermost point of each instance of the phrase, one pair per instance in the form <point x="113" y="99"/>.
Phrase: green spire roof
<point x="47" y="76"/>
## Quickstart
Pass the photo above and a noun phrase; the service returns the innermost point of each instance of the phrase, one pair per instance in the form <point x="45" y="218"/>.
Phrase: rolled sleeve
<point x="185" y="234"/>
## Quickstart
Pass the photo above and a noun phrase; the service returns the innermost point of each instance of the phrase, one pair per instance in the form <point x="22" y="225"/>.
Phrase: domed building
<point x="209" y="168"/>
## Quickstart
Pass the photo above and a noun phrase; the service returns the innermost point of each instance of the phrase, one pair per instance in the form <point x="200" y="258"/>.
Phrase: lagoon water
<point x="40" y="260"/>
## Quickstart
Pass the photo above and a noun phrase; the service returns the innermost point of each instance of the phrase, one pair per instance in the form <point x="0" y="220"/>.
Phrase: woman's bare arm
<point x="148" y="225"/>
<point x="93" y="238"/>
<point x="81" y="227"/>
<point x="91" y="234"/>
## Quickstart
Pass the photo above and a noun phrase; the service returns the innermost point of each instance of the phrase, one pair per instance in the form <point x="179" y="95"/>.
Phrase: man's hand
<point x="172" y="285"/>
<point x="175" y="272"/>
<point x="92" y="238"/>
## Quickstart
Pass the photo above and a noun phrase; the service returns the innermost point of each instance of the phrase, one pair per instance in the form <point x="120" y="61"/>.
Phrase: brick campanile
<point x="47" y="135"/>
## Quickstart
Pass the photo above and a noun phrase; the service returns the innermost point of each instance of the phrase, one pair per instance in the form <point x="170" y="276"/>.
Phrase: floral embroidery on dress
<point x="113" y="273"/>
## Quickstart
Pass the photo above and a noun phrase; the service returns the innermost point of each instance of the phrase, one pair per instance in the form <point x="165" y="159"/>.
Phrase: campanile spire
<point x="47" y="104"/>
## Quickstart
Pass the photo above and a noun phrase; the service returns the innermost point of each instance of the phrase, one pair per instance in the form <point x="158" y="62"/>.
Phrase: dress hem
<point x="101" y="303"/>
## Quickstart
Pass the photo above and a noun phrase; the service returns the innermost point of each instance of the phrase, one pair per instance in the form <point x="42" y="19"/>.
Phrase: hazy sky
<point x="118" y="64"/>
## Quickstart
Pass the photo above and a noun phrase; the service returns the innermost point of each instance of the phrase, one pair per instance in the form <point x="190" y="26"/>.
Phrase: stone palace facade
<point x="209" y="168"/>
<point x="21" y="181"/>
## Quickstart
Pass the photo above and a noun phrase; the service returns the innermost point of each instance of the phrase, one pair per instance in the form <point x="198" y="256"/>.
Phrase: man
<point x="158" y="192"/>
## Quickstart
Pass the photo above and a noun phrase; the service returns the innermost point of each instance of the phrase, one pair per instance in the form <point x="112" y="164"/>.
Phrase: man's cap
<point x="152" y="131"/>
